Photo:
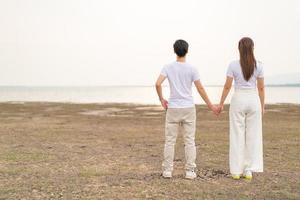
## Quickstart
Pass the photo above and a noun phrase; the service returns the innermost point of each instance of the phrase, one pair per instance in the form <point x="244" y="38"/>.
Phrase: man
<point x="180" y="108"/>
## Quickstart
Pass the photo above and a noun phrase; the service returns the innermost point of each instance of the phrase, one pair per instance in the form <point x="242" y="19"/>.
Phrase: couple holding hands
<point x="245" y="112"/>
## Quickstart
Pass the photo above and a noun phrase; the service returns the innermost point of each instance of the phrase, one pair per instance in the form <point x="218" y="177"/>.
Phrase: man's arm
<point x="204" y="96"/>
<point x="261" y="93"/>
<point x="158" y="87"/>
<point x="226" y="90"/>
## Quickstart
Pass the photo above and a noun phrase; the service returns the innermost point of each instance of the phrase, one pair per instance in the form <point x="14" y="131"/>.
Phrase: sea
<point x="128" y="94"/>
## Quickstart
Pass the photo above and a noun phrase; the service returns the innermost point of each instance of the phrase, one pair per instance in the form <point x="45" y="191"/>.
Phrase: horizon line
<point x="207" y="85"/>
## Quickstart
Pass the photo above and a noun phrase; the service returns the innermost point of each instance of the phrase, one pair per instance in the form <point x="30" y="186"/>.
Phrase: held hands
<point x="221" y="108"/>
<point x="217" y="109"/>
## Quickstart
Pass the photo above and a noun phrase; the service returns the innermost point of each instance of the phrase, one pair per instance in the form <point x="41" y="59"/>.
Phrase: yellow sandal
<point x="235" y="176"/>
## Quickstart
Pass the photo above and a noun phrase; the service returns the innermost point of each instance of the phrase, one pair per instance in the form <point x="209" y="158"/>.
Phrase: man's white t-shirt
<point x="181" y="76"/>
<point x="235" y="71"/>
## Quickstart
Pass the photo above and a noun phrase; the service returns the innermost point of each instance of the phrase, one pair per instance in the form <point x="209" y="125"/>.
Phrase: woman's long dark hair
<point x="247" y="59"/>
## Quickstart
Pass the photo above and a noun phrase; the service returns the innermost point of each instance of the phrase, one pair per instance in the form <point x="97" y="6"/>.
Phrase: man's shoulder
<point x="168" y="65"/>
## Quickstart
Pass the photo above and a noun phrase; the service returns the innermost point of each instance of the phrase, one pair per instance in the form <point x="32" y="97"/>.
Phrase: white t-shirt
<point x="235" y="71"/>
<point x="181" y="77"/>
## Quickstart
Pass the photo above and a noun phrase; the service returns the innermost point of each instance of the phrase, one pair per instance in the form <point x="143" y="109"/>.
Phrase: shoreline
<point x="116" y="103"/>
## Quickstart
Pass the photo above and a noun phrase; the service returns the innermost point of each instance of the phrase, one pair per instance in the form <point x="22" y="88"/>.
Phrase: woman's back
<point x="235" y="71"/>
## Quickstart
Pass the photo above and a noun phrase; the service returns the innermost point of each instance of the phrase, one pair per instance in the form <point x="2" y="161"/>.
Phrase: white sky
<point x="126" y="42"/>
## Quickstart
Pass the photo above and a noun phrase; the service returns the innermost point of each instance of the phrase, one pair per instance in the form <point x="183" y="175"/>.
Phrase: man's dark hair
<point x="181" y="48"/>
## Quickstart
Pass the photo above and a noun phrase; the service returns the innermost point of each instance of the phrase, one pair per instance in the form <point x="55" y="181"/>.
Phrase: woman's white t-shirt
<point x="235" y="71"/>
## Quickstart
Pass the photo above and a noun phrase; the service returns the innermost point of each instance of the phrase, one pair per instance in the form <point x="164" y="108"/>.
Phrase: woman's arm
<point x="158" y="83"/>
<point x="204" y="96"/>
<point x="261" y="93"/>
<point x="226" y="90"/>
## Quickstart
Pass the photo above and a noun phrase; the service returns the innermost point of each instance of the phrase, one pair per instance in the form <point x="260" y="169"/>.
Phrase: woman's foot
<point x="247" y="175"/>
<point x="235" y="176"/>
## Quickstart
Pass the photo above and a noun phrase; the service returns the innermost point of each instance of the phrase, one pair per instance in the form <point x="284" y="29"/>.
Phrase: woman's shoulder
<point x="234" y="63"/>
<point x="259" y="65"/>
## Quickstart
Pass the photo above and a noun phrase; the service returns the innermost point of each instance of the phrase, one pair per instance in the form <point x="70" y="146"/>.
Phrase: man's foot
<point x="190" y="175"/>
<point x="235" y="176"/>
<point x="167" y="174"/>
<point x="247" y="175"/>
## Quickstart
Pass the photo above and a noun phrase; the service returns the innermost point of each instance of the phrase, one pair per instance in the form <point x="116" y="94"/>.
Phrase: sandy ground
<point x="114" y="151"/>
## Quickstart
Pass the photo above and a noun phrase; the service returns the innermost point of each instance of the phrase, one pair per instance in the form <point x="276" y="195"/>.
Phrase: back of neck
<point x="180" y="59"/>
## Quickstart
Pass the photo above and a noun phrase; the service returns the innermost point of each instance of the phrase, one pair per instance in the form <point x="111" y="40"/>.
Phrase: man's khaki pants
<point x="175" y="117"/>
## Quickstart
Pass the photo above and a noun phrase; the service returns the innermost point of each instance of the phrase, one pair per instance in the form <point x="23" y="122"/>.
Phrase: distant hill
<point x="283" y="79"/>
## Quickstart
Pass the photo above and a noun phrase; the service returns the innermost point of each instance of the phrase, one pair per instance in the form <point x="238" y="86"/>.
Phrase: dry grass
<point x="114" y="151"/>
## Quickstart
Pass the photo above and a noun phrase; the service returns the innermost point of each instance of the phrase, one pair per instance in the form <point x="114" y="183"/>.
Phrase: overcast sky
<point x="126" y="42"/>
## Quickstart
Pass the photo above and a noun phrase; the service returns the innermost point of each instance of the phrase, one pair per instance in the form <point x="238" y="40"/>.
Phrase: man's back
<point x="180" y="75"/>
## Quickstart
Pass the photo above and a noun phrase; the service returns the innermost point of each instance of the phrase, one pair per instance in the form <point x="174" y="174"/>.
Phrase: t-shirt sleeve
<point x="195" y="75"/>
<point x="229" y="71"/>
<point x="164" y="71"/>
<point x="260" y="71"/>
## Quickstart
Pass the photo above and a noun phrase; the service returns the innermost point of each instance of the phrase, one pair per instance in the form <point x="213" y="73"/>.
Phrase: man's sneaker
<point x="248" y="175"/>
<point x="167" y="174"/>
<point x="190" y="175"/>
<point x="235" y="176"/>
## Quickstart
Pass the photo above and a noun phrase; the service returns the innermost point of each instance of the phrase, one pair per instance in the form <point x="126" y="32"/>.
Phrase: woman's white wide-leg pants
<point x="246" y="148"/>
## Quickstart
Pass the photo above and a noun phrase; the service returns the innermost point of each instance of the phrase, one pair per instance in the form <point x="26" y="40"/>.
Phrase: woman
<point x="245" y="112"/>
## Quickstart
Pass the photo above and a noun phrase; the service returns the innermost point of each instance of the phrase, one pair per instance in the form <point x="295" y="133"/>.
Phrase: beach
<point x="114" y="151"/>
